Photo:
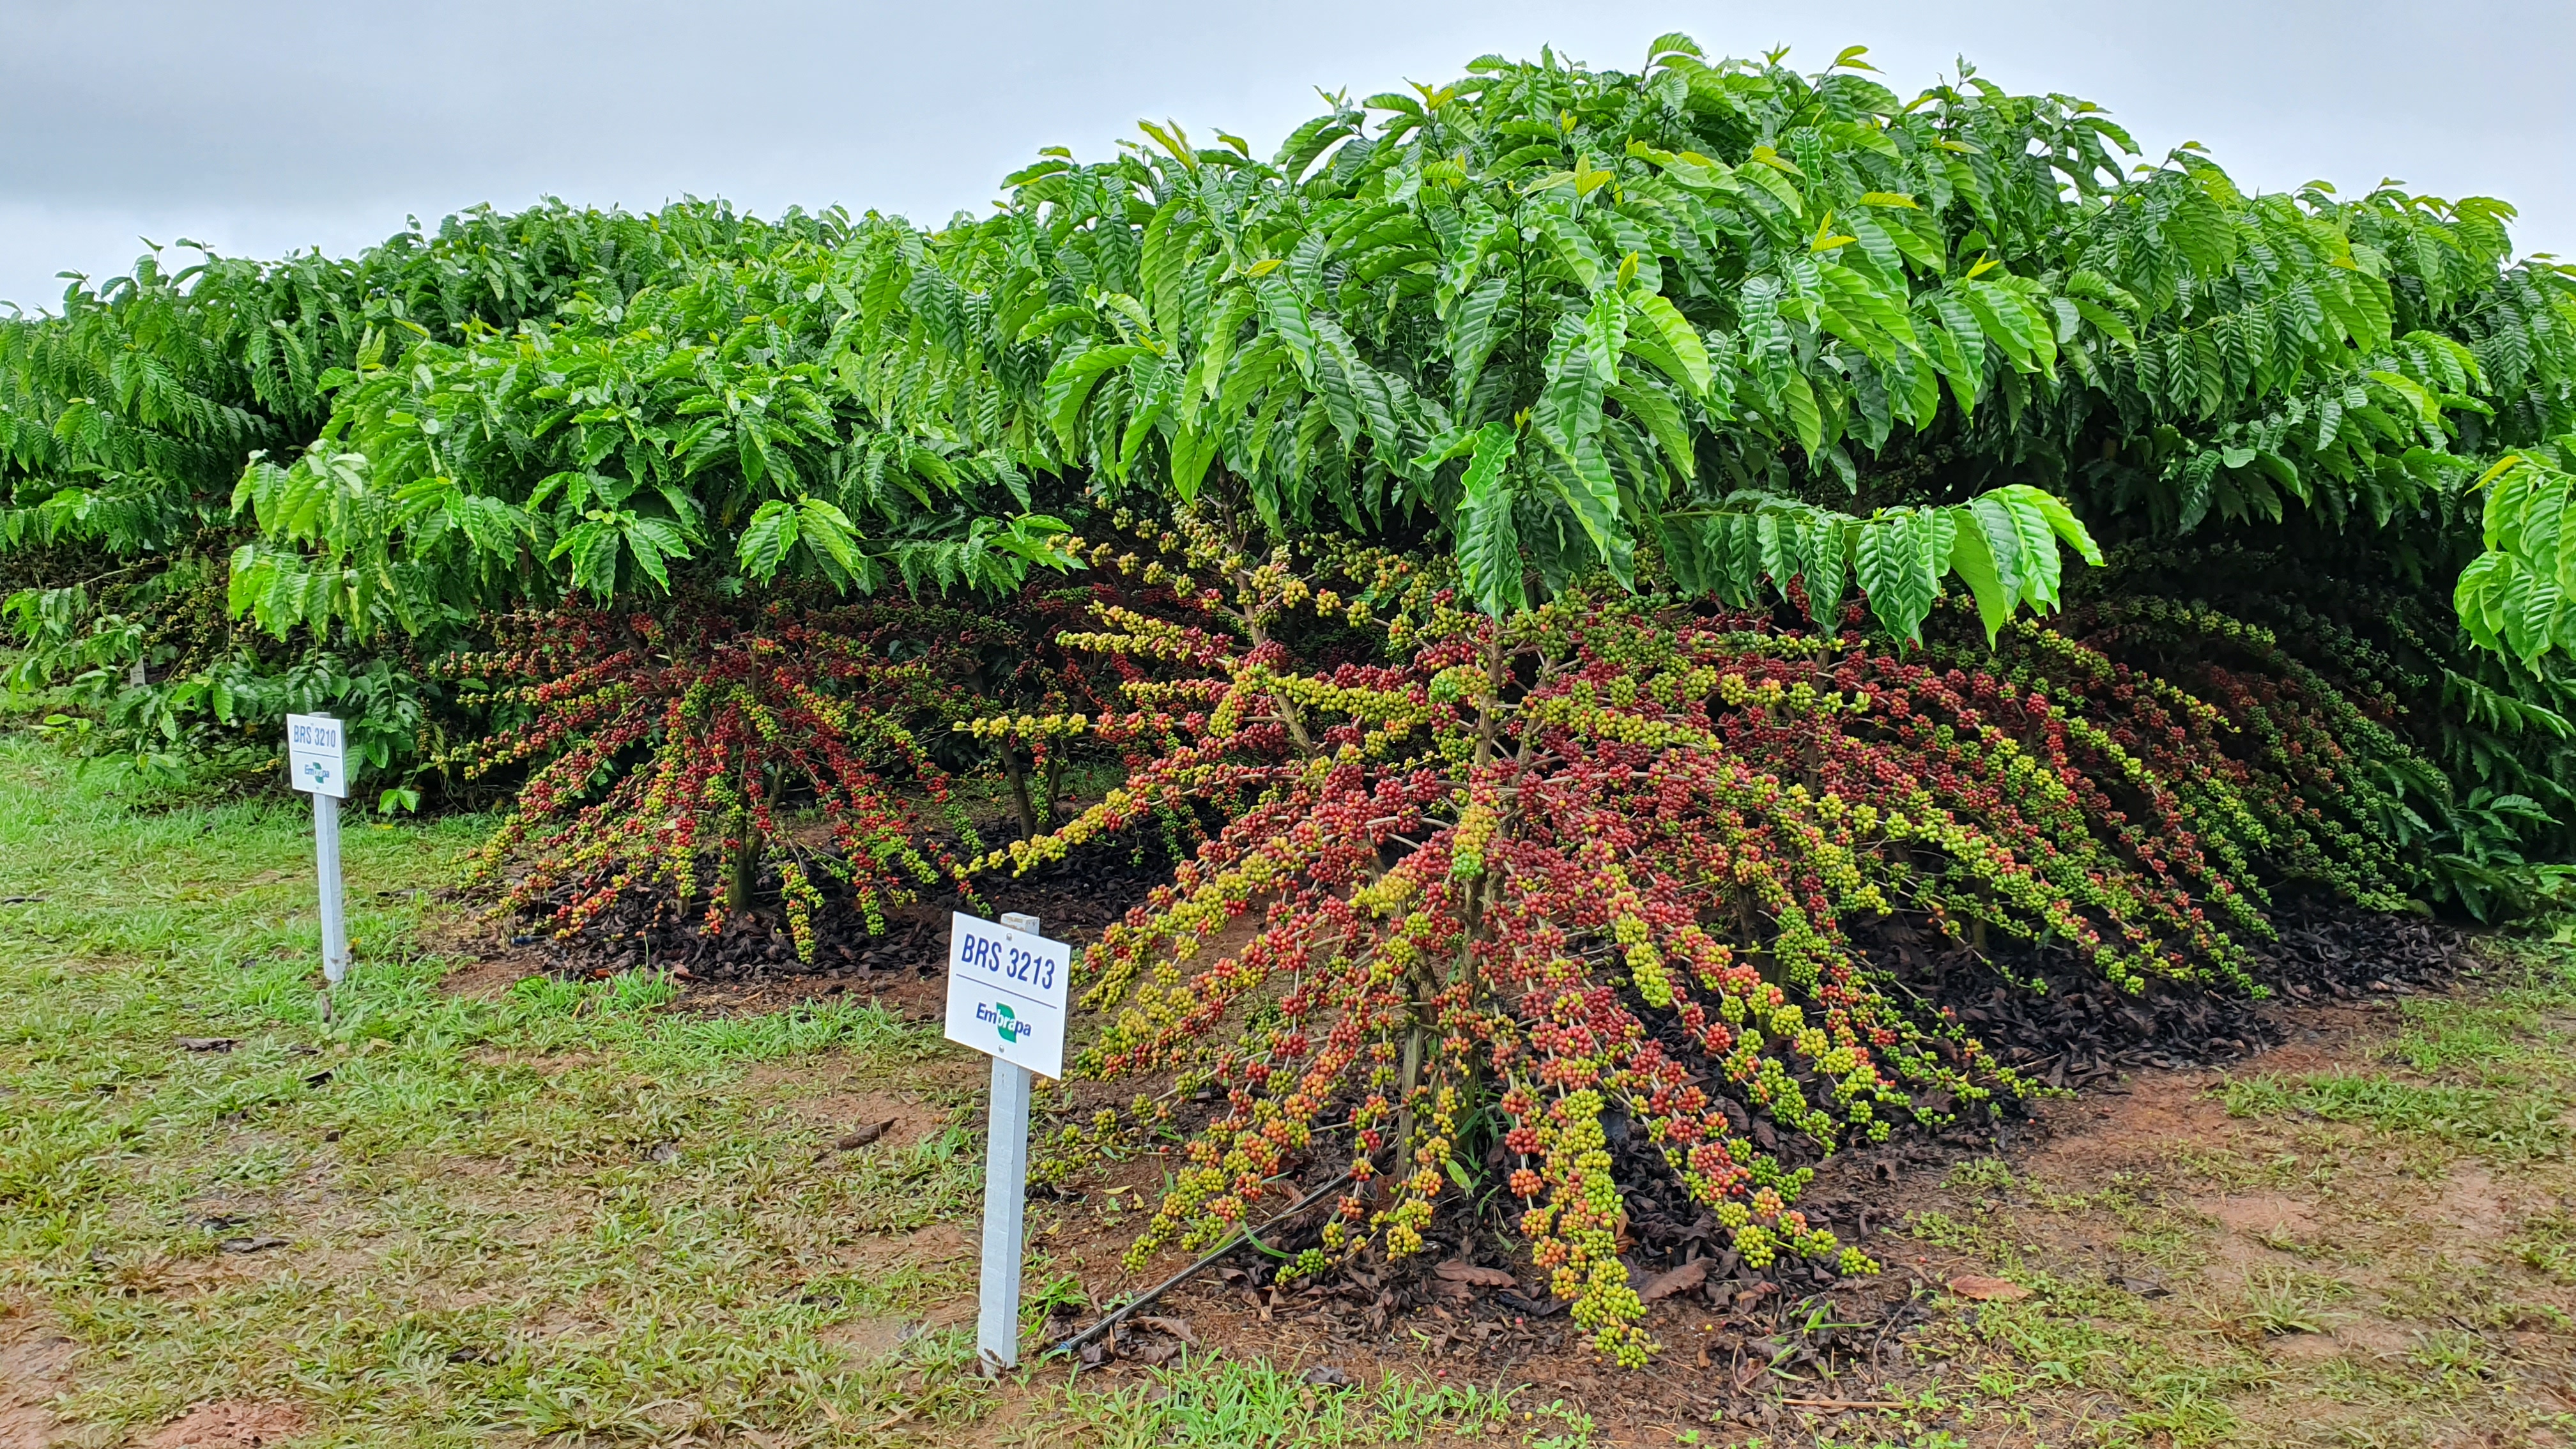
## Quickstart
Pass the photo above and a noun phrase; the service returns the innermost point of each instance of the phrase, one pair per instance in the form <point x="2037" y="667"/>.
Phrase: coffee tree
<point x="1583" y="555"/>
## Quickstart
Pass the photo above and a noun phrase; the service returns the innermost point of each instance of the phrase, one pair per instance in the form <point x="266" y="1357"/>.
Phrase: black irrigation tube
<point x="1234" y="1240"/>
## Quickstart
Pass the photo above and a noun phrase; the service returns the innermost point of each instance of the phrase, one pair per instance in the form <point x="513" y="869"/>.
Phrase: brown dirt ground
<point x="2158" y="1146"/>
<point x="33" y="1363"/>
<point x="231" y="1424"/>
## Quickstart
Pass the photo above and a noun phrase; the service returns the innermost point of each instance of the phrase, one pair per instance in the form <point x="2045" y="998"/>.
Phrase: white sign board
<point x="1006" y="993"/>
<point x="317" y="755"/>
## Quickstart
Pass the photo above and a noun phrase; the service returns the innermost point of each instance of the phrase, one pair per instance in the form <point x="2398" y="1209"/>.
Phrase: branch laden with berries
<point x="1620" y="857"/>
<point x="668" y="749"/>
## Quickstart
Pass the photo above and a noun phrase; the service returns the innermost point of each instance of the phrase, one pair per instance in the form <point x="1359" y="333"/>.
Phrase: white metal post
<point x="326" y="850"/>
<point x="1006" y="1197"/>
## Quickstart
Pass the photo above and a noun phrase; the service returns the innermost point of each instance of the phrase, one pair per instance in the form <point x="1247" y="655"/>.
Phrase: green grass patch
<point x="1225" y="1404"/>
<point x="568" y="1210"/>
<point x="2499" y="1037"/>
<point x="2501" y="1124"/>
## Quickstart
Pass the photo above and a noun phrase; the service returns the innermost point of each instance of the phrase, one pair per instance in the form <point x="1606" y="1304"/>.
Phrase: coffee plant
<point x="1617" y="857"/>
<point x="1574" y="560"/>
<point x="661" y="742"/>
<point x="128" y="417"/>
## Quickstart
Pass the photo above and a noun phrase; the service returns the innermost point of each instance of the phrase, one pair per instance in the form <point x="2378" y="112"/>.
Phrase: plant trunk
<point x="746" y="869"/>
<point x="1019" y="779"/>
<point x="1412" y="1081"/>
<point x="745" y="872"/>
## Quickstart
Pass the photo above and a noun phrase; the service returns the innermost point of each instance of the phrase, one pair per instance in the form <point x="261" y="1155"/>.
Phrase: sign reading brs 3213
<point x="1006" y="993"/>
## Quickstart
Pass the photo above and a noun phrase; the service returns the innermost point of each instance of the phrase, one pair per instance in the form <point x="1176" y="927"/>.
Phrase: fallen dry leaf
<point x="1680" y="1280"/>
<point x="1456" y="1271"/>
<point x="1988" y="1290"/>
<point x="1177" y="1327"/>
<point x="854" y="1140"/>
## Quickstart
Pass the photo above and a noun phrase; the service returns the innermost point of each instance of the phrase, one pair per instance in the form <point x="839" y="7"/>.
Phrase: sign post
<point x="317" y="762"/>
<point x="1006" y="994"/>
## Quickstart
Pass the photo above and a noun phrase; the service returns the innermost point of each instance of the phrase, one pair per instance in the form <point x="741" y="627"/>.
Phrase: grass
<point x="2278" y="1302"/>
<point x="2376" y="1252"/>
<point x="562" y="1210"/>
<point x="2507" y="1125"/>
<point x="1235" y="1405"/>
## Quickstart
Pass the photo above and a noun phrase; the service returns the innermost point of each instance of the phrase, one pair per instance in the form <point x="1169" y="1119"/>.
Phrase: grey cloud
<point x="264" y="127"/>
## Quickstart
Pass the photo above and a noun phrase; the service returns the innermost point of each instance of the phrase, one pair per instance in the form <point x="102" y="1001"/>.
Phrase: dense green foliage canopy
<point x="1744" y="323"/>
<point x="1554" y="313"/>
<point x="1723" y="323"/>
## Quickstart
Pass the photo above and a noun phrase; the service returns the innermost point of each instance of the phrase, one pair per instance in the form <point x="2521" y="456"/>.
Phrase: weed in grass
<point x="1987" y="1176"/>
<point x="2227" y="1168"/>
<point x="2185" y="1408"/>
<point x="1983" y="1233"/>
<point x="2282" y="1240"/>
<point x="1229" y="1403"/>
<point x="2173" y="1242"/>
<point x="2487" y="1040"/>
<point x="2450" y="1291"/>
<point x="1570" y="1428"/>
<point x="2277" y="1303"/>
<point x="2503" y="1126"/>
<point x="2457" y="1364"/>
<point x="2546" y="1243"/>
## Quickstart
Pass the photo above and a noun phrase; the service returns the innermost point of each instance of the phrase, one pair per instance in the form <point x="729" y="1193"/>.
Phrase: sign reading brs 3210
<point x="1006" y="992"/>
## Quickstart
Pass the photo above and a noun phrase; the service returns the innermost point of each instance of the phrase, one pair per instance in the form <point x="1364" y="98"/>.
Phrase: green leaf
<point x="1972" y="560"/>
<point x="1192" y="450"/>
<point x="594" y="547"/>
<point x="828" y="531"/>
<point x="1663" y="418"/>
<point x="1070" y="382"/>
<point x="1471" y="336"/>
<point x="1489" y="551"/>
<point x="652" y="540"/>
<point x="1606" y="332"/>
<point x="1805" y="417"/>
<point x="1592" y="495"/>
<point x="2061" y="520"/>
<point x="1683" y="354"/>
<point x="1895" y="567"/>
<point x="1283" y="315"/>
<point x="766" y="540"/>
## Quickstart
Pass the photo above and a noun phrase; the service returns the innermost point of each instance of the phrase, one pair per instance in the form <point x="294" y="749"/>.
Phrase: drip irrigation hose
<point x="1233" y="1240"/>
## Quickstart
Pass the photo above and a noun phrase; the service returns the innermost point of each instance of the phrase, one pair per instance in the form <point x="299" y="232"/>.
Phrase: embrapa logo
<point x="1005" y="1022"/>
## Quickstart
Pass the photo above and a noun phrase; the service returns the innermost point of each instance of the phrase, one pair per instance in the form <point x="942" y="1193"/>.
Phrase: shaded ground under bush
<point x="2075" y="1032"/>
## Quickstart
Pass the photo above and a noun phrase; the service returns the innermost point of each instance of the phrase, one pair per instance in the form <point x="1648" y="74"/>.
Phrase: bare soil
<point x="2064" y="1201"/>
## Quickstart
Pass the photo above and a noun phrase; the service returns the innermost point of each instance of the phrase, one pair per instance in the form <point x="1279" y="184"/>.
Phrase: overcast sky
<point x="259" y="128"/>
